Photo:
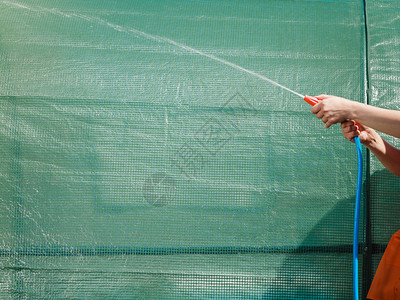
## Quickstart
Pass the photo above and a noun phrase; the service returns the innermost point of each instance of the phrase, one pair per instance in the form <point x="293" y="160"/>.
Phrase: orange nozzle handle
<point x="311" y="100"/>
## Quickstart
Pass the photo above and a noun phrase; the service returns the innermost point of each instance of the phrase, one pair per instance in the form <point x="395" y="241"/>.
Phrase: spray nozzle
<point x="311" y="100"/>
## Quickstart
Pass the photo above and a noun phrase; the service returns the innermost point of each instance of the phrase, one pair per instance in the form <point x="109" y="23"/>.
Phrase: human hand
<point x="351" y="129"/>
<point x="332" y="110"/>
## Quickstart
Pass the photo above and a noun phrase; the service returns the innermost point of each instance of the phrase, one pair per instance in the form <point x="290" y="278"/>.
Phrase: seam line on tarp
<point x="368" y="251"/>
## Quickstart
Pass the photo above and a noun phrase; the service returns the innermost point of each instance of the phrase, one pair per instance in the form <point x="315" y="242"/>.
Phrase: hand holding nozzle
<point x="328" y="122"/>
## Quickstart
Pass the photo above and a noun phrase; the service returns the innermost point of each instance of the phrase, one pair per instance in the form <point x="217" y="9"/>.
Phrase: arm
<point x="334" y="110"/>
<point x="388" y="155"/>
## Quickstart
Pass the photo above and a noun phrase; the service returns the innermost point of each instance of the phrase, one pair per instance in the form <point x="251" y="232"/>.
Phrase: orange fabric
<point x="386" y="283"/>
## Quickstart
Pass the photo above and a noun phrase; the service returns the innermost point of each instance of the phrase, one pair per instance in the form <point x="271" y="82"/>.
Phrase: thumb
<point x="363" y="136"/>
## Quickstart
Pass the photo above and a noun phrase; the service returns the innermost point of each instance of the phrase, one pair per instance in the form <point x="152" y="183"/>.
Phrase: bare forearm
<point x="332" y="110"/>
<point x="388" y="155"/>
<point x="383" y="120"/>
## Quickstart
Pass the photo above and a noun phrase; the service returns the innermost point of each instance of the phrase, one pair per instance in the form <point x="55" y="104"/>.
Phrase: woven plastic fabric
<point x="384" y="41"/>
<point x="144" y="157"/>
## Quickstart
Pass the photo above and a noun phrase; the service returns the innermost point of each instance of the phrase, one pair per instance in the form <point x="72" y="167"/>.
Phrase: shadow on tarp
<point x="326" y="273"/>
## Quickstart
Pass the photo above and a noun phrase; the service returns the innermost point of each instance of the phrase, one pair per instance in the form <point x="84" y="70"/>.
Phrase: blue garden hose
<point x="357" y="217"/>
<point x="313" y="101"/>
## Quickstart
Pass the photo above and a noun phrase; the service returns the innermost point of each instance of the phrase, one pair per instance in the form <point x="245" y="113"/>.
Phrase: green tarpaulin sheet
<point x="143" y="155"/>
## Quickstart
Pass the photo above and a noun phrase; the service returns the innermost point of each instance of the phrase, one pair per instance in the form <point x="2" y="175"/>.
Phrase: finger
<point x="356" y="133"/>
<point x="347" y="129"/>
<point x="346" y="124"/>
<point x="360" y="127"/>
<point x="353" y="125"/>
<point x="348" y="133"/>
<point x="350" y="127"/>
<point x="316" y="108"/>
<point x="329" y="123"/>
<point x="320" y="115"/>
<point x="363" y="136"/>
<point x="351" y="139"/>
